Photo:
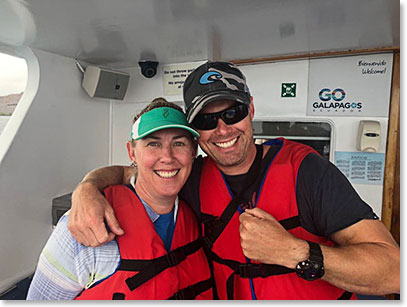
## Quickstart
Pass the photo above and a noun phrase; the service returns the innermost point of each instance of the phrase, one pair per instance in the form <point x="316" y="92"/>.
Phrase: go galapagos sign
<point x="344" y="87"/>
<point x="334" y="100"/>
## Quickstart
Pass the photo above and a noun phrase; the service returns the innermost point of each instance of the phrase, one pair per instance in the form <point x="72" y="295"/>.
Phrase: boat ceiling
<point x="119" y="33"/>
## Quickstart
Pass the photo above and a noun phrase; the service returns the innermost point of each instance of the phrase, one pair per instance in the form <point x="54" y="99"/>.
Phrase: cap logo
<point x="165" y="113"/>
<point x="209" y="77"/>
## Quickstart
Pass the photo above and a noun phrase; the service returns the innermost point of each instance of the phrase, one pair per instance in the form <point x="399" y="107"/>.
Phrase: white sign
<point x="350" y="86"/>
<point x="361" y="167"/>
<point x="175" y="75"/>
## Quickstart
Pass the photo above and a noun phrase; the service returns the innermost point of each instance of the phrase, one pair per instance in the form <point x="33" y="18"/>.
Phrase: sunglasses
<point x="230" y="116"/>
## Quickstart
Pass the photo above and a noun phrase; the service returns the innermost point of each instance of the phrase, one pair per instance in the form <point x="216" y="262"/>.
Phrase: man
<point x="280" y="222"/>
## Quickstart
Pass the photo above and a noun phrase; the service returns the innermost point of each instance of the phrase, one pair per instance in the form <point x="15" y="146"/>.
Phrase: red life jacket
<point x="277" y="197"/>
<point x="146" y="270"/>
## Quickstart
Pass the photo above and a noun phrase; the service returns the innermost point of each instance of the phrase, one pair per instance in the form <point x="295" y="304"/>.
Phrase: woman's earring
<point x="133" y="164"/>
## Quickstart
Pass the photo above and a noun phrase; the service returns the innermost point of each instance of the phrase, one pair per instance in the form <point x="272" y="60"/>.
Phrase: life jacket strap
<point x="118" y="296"/>
<point x="252" y="270"/>
<point x="291" y="222"/>
<point x="149" y="268"/>
<point x="230" y="285"/>
<point x="247" y="270"/>
<point x="191" y="292"/>
<point x="345" y="296"/>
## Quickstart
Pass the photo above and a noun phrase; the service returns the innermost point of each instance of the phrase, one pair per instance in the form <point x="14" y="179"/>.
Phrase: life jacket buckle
<point x="175" y="257"/>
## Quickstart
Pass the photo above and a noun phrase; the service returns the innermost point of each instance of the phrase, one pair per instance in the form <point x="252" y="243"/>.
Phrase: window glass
<point x="314" y="134"/>
<point x="13" y="80"/>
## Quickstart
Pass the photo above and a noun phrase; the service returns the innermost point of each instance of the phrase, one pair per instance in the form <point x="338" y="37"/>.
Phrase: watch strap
<point x="315" y="252"/>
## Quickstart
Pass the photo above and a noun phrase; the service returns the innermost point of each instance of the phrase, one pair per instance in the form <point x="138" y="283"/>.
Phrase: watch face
<point x="309" y="270"/>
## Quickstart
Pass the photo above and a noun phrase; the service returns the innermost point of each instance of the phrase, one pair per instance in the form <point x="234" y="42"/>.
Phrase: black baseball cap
<point x="213" y="81"/>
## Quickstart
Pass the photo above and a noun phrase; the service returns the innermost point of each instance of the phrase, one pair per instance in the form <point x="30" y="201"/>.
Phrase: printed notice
<point x="361" y="167"/>
<point x="175" y="75"/>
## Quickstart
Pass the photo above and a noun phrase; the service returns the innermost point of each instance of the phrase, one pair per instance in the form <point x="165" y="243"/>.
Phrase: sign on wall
<point x="174" y="77"/>
<point x="288" y="90"/>
<point x="278" y="88"/>
<point x="361" y="167"/>
<point x="350" y="86"/>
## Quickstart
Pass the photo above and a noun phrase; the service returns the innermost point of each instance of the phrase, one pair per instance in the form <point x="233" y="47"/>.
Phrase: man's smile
<point x="226" y="144"/>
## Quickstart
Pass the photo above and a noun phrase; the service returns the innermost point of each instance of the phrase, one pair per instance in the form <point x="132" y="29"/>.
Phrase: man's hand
<point x="88" y="213"/>
<point x="263" y="239"/>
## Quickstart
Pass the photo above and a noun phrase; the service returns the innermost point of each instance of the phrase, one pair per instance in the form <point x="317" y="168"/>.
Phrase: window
<point x="314" y="134"/>
<point x="13" y="81"/>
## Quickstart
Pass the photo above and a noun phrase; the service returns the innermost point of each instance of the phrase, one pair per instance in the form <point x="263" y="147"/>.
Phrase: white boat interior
<point x="58" y="132"/>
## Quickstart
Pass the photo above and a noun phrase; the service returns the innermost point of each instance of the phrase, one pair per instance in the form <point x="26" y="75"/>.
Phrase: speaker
<point x="105" y="83"/>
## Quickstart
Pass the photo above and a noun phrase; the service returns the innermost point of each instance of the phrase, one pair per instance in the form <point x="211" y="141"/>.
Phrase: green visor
<point x="158" y="119"/>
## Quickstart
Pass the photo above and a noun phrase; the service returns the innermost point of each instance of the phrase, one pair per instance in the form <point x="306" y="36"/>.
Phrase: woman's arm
<point x="56" y="277"/>
<point x="66" y="267"/>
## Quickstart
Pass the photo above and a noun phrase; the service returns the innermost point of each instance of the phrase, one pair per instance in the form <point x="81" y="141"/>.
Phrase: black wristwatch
<point x="313" y="267"/>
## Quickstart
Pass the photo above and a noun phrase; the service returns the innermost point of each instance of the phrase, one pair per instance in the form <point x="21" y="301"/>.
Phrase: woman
<point x="159" y="256"/>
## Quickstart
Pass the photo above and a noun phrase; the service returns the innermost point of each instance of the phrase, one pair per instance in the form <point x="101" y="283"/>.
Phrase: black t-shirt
<point x="326" y="200"/>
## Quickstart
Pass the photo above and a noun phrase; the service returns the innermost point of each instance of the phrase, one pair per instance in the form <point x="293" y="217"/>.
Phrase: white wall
<point x="59" y="136"/>
<point x="264" y="81"/>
